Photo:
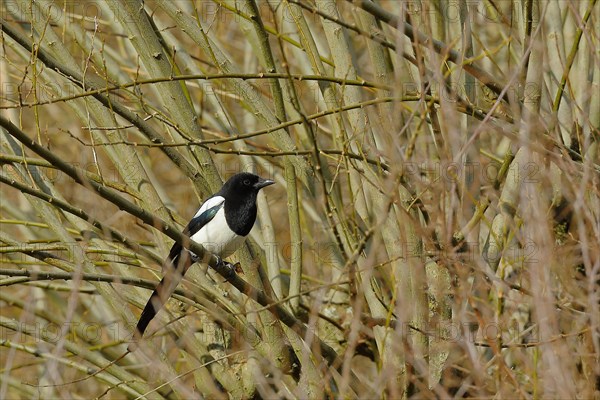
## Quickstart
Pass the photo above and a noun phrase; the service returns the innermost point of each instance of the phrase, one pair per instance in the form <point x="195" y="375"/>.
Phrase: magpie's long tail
<point x="161" y="294"/>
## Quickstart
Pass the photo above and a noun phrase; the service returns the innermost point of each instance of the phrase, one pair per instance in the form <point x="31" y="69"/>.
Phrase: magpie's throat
<point x="241" y="214"/>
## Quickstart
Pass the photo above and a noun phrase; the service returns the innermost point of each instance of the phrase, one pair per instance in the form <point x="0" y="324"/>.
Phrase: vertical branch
<point x="136" y="23"/>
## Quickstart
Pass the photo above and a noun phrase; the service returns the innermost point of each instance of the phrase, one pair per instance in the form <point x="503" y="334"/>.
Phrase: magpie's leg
<point x="230" y="268"/>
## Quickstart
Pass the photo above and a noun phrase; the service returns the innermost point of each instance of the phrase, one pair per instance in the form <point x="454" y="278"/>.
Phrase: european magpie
<point x="220" y="226"/>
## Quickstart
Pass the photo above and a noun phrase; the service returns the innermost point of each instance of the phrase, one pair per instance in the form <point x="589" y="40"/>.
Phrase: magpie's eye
<point x="247" y="182"/>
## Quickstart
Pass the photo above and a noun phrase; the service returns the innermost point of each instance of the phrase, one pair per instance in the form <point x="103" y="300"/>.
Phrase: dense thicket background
<point x="434" y="230"/>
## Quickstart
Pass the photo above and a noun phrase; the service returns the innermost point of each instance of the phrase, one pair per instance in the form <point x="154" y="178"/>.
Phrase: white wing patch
<point x="210" y="203"/>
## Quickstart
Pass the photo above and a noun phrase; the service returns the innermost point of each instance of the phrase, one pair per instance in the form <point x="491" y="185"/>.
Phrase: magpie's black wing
<point x="177" y="263"/>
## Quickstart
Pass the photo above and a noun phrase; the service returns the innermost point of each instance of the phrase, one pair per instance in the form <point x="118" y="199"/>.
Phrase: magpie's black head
<point x="243" y="185"/>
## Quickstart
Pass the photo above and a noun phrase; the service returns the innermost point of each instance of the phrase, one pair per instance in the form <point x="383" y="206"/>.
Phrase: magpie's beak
<point x="262" y="183"/>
